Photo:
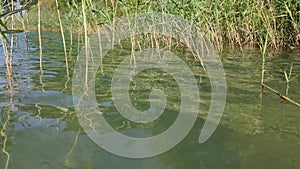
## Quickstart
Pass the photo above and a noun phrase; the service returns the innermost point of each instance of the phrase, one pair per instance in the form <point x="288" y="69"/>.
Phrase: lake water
<point x="256" y="130"/>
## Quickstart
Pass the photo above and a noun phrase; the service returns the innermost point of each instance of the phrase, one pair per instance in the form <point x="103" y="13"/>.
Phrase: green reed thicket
<point x="237" y="23"/>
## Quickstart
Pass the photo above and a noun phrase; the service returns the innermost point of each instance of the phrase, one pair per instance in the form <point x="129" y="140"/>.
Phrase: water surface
<point x="256" y="131"/>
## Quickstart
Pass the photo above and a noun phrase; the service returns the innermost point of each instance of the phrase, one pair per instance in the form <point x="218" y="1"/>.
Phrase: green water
<point x="256" y="131"/>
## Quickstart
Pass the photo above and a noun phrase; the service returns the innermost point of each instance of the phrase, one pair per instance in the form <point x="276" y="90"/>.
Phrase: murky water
<point x="256" y="131"/>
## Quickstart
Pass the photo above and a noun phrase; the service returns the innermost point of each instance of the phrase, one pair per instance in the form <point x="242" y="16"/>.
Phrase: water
<point x="256" y="131"/>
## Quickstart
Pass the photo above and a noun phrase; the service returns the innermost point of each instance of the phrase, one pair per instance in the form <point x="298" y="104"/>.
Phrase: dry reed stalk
<point x="63" y="39"/>
<point x="286" y="98"/>
<point x="71" y="43"/>
<point x="263" y="60"/>
<point x="86" y="47"/>
<point x="10" y="88"/>
<point x="100" y="52"/>
<point x="39" y="34"/>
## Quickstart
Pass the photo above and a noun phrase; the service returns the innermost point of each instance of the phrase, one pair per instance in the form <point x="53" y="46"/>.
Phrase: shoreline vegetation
<point x="240" y="24"/>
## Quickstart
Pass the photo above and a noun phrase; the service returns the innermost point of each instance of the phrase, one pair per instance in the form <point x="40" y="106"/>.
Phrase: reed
<point x="289" y="77"/>
<point x="286" y="98"/>
<point x="78" y="42"/>
<point x="264" y="49"/>
<point x="40" y="36"/>
<point x="240" y="24"/>
<point x="86" y="45"/>
<point x="21" y="20"/>
<point x="63" y="39"/>
<point x="12" y="37"/>
<point x="6" y="114"/>
<point x="71" y="44"/>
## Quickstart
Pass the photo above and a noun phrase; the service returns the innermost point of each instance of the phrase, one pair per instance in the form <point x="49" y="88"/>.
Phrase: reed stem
<point x="86" y="46"/>
<point x="63" y="39"/>
<point x="71" y="43"/>
<point x="264" y="59"/>
<point x="40" y="37"/>
<point x="286" y="98"/>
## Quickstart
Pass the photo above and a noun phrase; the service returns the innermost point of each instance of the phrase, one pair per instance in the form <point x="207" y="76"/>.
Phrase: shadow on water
<point x="255" y="132"/>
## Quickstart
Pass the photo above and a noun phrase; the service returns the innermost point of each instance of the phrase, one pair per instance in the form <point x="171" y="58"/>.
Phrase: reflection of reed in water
<point x="258" y="128"/>
<point x="69" y="163"/>
<point x="41" y="79"/>
<point x="6" y="112"/>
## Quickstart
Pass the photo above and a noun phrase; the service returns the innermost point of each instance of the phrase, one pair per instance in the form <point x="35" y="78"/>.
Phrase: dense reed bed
<point x="237" y="23"/>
